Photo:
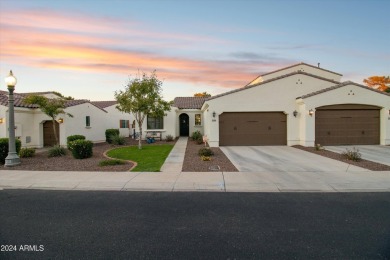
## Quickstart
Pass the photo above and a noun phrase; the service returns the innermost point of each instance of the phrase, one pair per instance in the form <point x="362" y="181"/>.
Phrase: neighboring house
<point x="35" y="129"/>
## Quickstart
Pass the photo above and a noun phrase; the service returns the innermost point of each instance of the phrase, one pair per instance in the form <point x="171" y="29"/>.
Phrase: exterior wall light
<point x="60" y="120"/>
<point x="295" y="113"/>
<point x="214" y="114"/>
<point x="12" y="159"/>
<point x="1" y="120"/>
<point x="311" y="112"/>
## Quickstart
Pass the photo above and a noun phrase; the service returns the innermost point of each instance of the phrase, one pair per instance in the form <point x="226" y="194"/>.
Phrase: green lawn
<point x="149" y="159"/>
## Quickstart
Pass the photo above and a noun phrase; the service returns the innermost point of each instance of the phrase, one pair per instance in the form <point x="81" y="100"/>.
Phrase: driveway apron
<point x="281" y="159"/>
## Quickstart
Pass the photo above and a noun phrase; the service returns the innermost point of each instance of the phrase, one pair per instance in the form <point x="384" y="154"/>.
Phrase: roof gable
<point x="271" y="80"/>
<point x="346" y="83"/>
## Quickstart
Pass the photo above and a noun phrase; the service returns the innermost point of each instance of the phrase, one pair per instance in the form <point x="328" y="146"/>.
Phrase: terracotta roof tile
<point x="342" y="85"/>
<point x="104" y="104"/>
<point x="189" y="102"/>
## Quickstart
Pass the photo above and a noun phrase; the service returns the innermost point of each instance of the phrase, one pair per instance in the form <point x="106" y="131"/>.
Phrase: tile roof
<point x="342" y="85"/>
<point x="104" y="104"/>
<point x="270" y="80"/>
<point x="189" y="102"/>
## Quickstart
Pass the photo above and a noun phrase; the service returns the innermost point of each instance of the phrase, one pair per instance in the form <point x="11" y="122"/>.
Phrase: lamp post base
<point x="12" y="160"/>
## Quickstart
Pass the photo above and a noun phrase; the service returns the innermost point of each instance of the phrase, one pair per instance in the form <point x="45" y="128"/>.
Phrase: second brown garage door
<point x="347" y="125"/>
<point x="252" y="128"/>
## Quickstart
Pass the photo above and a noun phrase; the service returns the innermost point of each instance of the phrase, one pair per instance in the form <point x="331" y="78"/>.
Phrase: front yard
<point x="149" y="159"/>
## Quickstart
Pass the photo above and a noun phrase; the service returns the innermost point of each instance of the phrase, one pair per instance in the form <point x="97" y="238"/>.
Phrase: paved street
<point x="134" y="225"/>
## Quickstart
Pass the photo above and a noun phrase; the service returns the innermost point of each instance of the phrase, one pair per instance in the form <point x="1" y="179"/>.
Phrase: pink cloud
<point x="76" y="42"/>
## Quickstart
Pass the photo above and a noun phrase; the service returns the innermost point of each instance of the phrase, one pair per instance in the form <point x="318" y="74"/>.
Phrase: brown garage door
<point x="347" y="125"/>
<point x="252" y="128"/>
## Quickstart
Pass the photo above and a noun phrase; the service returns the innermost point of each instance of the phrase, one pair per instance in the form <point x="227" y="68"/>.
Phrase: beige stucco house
<point x="297" y="105"/>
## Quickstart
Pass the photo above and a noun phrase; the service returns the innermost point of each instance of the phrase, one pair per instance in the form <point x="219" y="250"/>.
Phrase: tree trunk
<point x="55" y="132"/>
<point x="140" y="137"/>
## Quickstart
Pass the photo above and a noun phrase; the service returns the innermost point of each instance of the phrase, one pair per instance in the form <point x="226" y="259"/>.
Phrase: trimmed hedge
<point x="81" y="149"/>
<point x="4" y="148"/>
<point x="72" y="138"/>
<point x="109" y="133"/>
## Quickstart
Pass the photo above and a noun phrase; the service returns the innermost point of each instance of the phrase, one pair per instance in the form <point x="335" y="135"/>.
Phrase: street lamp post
<point x="12" y="158"/>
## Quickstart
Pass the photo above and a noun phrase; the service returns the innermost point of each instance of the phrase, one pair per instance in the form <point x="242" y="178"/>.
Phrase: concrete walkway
<point x="199" y="181"/>
<point x="174" y="161"/>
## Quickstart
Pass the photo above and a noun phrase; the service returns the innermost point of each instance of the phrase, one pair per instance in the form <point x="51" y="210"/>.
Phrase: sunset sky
<point x="89" y="49"/>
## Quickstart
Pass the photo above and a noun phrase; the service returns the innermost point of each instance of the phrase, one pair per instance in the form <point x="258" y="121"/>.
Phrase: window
<point x="198" y="119"/>
<point x="124" y="124"/>
<point x="87" y="121"/>
<point x="155" y="123"/>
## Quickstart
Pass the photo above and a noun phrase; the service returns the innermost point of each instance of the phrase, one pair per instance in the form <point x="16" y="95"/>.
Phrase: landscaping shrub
<point x="110" y="132"/>
<point x="197" y="136"/>
<point x="205" y="152"/>
<point x="169" y="138"/>
<point x="26" y="152"/>
<point x="82" y="149"/>
<point x="72" y="138"/>
<point x="117" y="139"/>
<point x="56" y="151"/>
<point x="318" y="147"/>
<point x="4" y="148"/>
<point x="205" y="158"/>
<point x="352" y="154"/>
<point x="111" y="162"/>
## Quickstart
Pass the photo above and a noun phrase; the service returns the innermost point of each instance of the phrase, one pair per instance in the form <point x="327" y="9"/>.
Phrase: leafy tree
<point x="378" y="82"/>
<point x="204" y="94"/>
<point x="51" y="107"/>
<point x="62" y="96"/>
<point x="142" y="97"/>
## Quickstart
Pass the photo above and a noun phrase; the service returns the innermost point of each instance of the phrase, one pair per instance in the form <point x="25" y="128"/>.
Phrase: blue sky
<point x="89" y="49"/>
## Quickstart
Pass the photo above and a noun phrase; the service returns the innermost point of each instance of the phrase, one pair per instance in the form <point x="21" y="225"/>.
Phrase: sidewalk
<point x="171" y="179"/>
<point x="199" y="181"/>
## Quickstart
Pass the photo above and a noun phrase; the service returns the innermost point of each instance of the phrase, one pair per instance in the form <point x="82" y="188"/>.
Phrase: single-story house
<point x="297" y="105"/>
<point x="35" y="129"/>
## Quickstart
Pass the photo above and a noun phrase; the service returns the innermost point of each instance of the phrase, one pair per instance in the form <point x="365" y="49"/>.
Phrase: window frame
<point x="198" y="121"/>
<point x="87" y="121"/>
<point x="154" y="123"/>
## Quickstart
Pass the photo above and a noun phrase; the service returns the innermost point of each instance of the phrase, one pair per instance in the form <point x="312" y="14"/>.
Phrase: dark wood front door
<point x="184" y="125"/>
<point x="347" y="125"/>
<point x="48" y="133"/>
<point x="252" y="128"/>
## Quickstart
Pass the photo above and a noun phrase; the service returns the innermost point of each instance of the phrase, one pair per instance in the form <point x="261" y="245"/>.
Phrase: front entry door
<point x="48" y="133"/>
<point x="184" y="125"/>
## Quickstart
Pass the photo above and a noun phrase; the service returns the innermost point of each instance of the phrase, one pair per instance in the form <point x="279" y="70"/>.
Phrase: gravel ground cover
<point x="373" y="166"/>
<point x="193" y="163"/>
<point x="41" y="161"/>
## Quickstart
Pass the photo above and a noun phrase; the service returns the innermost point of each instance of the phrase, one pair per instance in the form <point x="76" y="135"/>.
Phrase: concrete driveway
<point x="282" y="159"/>
<point x="375" y="153"/>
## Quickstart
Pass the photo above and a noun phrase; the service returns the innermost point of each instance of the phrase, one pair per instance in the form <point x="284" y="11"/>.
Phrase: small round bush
<point x="57" y="151"/>
<point x="205" y="152"/>
<point x="26" y="152"/>
<point x="111" y="162"/>
<point x="72" y="138"/>
<point x="4" y="148"/>
<point x="117" y="139"/>
<point x="196" y="135"/>
<point x="169" y="138"/>
<point x="110" y="132"/>
<point x="82" y="149"/>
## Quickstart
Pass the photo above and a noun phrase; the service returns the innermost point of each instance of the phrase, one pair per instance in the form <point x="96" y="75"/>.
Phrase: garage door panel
<point x="252" y="128"/>
<point x="347" y="126"/>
